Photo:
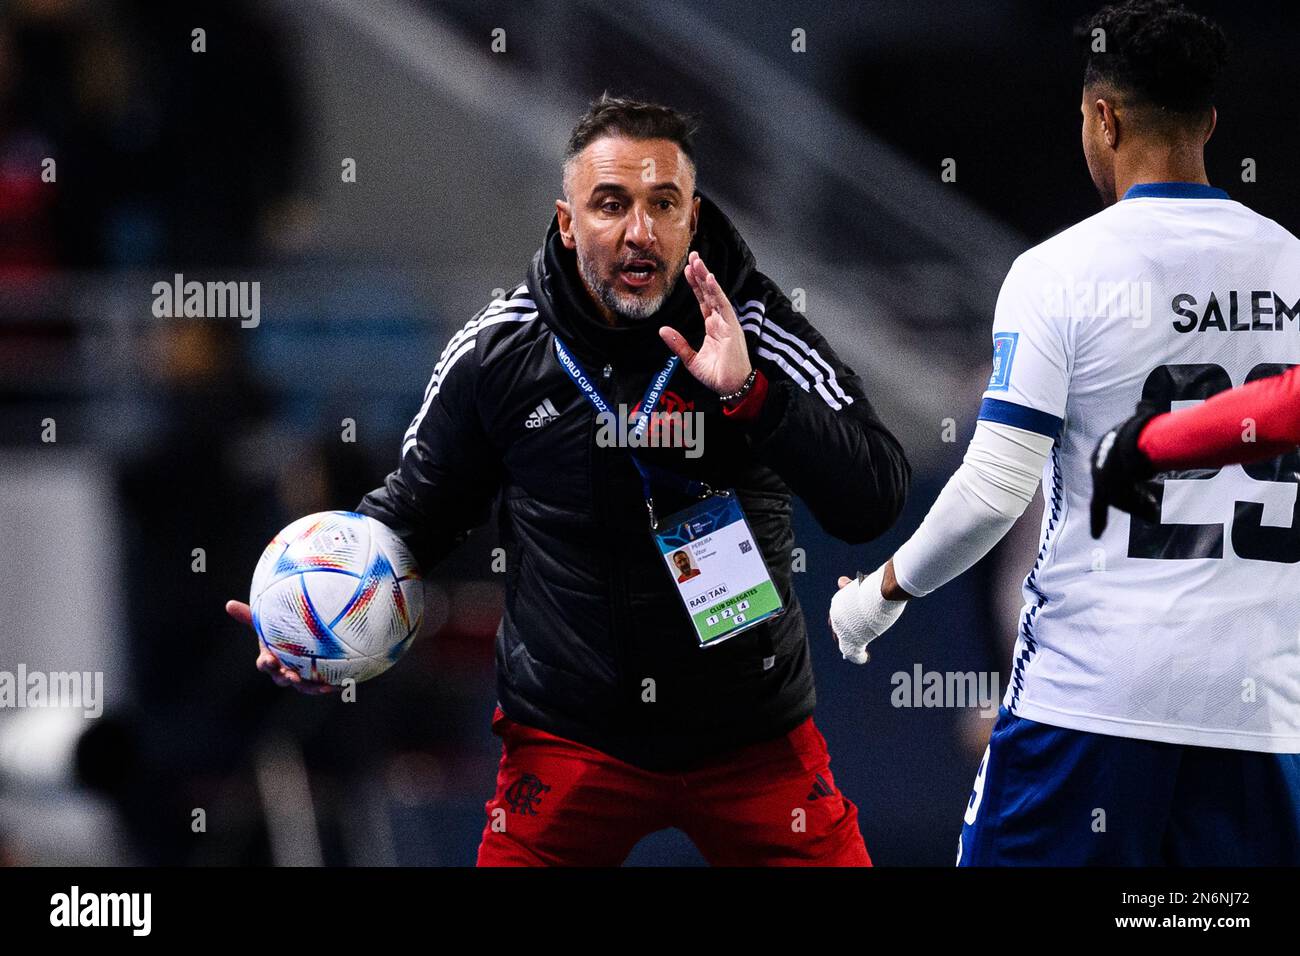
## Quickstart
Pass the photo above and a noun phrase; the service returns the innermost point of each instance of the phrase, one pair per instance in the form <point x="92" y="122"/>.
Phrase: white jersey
<point x="1187" y="631"/>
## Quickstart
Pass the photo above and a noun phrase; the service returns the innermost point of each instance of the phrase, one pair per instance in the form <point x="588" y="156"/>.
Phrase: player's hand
<point x="1121" y="473"/>
<point x="722" y="363"/>
<point x="270" y="664"/>
<point x="860" y="613"/>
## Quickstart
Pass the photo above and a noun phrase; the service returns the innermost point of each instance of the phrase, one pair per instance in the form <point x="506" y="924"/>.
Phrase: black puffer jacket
<point x="591" y="612"/>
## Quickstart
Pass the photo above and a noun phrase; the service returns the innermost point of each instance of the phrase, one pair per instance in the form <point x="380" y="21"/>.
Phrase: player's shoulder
<point x="1120" y="239"/>
<point x="1088" y="243"/>
<point x="1271" y="229"/>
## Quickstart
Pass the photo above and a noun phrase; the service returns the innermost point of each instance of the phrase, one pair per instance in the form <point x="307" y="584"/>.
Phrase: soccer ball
<point x="337" y="595"/>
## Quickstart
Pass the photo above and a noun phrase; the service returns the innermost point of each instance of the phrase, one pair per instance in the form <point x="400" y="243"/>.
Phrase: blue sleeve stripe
<point x="1019" y="416"/>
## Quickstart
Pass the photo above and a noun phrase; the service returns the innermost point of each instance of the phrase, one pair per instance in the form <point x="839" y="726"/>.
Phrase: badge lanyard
<point x="649" y="473"/>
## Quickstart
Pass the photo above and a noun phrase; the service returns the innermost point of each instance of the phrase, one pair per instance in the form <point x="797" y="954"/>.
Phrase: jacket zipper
<point x="618" y="612"/>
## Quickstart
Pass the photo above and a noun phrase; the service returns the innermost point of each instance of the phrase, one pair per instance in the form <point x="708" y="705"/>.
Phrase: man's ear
<point x="1214" y="121"/>
<point x="695" y="214"/>
<point x="564" y="218"/>
<point x="1109" y="122"/>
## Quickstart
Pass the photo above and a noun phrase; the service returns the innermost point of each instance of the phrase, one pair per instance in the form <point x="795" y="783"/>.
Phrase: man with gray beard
<point x="629" y="701"/>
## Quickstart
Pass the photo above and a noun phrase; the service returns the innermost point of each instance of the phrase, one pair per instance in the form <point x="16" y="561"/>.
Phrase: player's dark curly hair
<point x="619" y="116"/>
<point x="1156" y="51"/>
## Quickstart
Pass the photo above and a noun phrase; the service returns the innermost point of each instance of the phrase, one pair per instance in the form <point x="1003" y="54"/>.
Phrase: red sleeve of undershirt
<point x="752" y="403"/>
<point x="1217" y="432"/>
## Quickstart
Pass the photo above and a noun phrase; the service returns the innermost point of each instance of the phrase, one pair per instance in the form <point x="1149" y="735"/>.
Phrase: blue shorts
<point x="1046" y="796"/>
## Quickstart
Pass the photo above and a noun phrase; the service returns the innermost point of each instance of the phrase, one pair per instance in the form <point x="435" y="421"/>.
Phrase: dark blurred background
<point x="172" y="435"/>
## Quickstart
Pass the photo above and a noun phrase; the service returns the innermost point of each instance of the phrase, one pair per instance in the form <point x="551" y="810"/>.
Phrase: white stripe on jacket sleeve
<point x="814" y="371"/>
<point x="515" y="308"/>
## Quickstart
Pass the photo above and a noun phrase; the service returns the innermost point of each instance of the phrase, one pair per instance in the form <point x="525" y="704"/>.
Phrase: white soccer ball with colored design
<point x="337" y="595"/>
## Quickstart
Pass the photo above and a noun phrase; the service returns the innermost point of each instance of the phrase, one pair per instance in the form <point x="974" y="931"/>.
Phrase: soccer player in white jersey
<point x="1153" y="711"/>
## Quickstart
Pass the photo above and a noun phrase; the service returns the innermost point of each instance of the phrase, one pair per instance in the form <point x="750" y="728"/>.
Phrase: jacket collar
<point x="564" y="305"/>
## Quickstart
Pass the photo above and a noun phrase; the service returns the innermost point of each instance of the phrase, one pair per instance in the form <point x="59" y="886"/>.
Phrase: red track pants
<point x="561" y="803"/>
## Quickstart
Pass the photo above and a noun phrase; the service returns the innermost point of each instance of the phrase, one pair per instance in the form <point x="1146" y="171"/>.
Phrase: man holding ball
<point x="632" y="696"/>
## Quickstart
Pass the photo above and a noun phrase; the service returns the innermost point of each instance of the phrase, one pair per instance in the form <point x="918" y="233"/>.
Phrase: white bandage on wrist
<point x="860" y="614"/>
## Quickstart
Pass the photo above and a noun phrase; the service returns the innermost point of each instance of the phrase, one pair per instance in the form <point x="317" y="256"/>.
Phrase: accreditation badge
<point x="720" y="574"/>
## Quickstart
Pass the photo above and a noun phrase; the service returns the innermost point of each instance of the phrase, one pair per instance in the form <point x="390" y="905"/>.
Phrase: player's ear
<point x="695" y="214"/>
<point x="564" y="219"/>
<point x="1214" y="122"/>
<point x="1109" y="123"/>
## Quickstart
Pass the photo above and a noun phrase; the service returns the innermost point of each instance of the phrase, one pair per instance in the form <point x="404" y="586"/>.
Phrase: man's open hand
<point x="269" y="663"/>
<point x="722" y="363"/>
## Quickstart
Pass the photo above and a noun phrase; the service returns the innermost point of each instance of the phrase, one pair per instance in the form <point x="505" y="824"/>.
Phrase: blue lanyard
<point x="649" y="473"/>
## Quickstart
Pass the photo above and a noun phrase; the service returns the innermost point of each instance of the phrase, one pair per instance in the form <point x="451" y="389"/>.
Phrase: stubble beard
<point x="632" y="308"/>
